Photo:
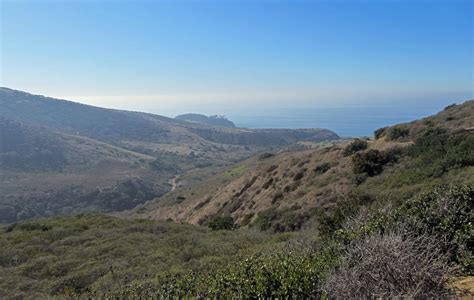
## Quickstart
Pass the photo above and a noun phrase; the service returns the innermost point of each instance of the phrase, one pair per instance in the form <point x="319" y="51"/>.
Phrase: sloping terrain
<point x="46" y="172"/>
<point x="97" y="253"/>
<point x="307" y="215"/>
<point x="117" y="127"/>
<point x="58" y="156"/>
<point x="288" y="190"/>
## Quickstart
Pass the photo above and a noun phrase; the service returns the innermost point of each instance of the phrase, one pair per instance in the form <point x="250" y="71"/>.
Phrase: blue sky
<point x="172" y="56"/>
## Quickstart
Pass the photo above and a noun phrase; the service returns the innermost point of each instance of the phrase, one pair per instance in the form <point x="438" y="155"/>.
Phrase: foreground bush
<point x="282" y="275"/>
<point x="445" y="213"/>
<point x="393" y="265"/>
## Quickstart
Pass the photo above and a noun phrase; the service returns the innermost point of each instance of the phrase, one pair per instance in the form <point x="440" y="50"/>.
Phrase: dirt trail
<point x="174" y="182"/>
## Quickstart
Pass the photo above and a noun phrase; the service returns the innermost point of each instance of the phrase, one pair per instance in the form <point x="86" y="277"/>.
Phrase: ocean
<point x="346" y="121"/>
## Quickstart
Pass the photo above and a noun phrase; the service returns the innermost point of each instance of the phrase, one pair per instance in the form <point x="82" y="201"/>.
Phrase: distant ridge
<point x="61" y="157"/>
<point x="202" y="119"/>
<point x="119" y="127"/>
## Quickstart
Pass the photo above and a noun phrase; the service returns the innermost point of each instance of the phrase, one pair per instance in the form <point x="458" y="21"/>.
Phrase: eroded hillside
<point x="289" y="190"/>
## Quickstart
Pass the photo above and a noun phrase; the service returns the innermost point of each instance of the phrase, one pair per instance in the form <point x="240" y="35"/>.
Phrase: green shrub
<point x="446" y="213"/>
<point x="359" y="178"/>
<point x="294" y="274"/>
<point x="299" y="175"/>
<point x="355" y="146"/>
<point x="396" y="133"/>
<point x="322" y="168"/>
<point x="333" y="219"/>
<point x="265" y="155"/>
<point x="437" y="151"/>
<point x="370" y="162"/>
<point x="280" y="220"/>
<point x="222" y="223"/>
<point x="31" y="226"/>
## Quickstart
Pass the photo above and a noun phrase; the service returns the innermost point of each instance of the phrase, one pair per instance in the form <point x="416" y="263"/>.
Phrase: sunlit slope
<point x="289" y="190"/>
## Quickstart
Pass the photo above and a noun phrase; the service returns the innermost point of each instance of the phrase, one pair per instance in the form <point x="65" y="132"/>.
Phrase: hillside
<point x="292" y="223"/>
<point x="290" y="190"/>
<point x="202" y="119"/>
<point x="59" y="157"/>
<point x="121" y="127"/>
<point x="45" y="172"/>
<point x="97" y="254"/>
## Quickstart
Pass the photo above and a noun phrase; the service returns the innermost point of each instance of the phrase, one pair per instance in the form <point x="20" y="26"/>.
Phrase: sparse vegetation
<point x="392" y="265"/>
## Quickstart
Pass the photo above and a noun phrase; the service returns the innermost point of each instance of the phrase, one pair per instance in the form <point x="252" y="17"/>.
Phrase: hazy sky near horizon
<point x="174" y="56"/>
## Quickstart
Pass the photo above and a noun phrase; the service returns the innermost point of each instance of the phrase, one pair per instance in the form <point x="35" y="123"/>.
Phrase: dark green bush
<point x="280" y="220"/>
<point x="396" y="133"/>
<point x="299" y="175"/>
<point x="31" y="226"/>
<point x="370" y="162"/>
<point x="265" y="155"/>
<point x="355" y="146"/>
<point x="222" y="223"/>
<point x="437" y="151"/>
<point x="322" y="168"/>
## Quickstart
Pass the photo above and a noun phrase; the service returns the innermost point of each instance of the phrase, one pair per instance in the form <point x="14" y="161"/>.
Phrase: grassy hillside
<point x="97" y="254"/>
<point x="384" y="217"/>
<point x="290" y="190"/>
<point x="101" y="256"/>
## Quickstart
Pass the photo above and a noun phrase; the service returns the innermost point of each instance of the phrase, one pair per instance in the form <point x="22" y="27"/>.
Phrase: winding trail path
<point x="174" y="181"/>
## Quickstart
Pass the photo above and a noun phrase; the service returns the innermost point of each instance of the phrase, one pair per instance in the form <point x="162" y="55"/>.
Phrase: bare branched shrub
<point x="390" y="266"/>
